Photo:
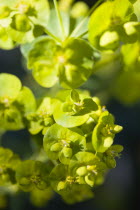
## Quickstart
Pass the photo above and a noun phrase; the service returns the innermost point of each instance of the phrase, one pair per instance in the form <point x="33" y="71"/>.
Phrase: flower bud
<point x="108" y="142"/>
<point x="130" y="27"/>
<point x="61" y="185"/>
<point x="109" y="39"/>
<point x="21" y="23"/>
<point x="117" y="128"/>
<point x="82" y="171"/>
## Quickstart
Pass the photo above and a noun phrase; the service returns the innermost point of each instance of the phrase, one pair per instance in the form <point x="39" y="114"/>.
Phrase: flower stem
<point x="86" y="17"/>
<point x="59" y="18"/>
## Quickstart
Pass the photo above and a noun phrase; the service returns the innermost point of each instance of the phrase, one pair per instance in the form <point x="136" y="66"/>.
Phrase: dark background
<point x="121" y="188"/>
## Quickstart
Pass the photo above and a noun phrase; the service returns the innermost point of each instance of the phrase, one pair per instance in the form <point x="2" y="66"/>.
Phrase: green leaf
<point x="43" y="11"/>
<point x="137" y="9"/>
<point x="53" y="20"/>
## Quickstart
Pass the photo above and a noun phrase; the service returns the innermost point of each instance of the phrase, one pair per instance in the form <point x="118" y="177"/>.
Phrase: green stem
<point x="59" y="18"/>
<point x="83" y="34"/>
<point x="85" y="18"/>
<point x="106" y="61"/>
<point x="52" y="35"/>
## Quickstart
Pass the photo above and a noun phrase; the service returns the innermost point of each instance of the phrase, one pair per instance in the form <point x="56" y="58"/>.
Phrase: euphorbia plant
<point x="62" y="48"/>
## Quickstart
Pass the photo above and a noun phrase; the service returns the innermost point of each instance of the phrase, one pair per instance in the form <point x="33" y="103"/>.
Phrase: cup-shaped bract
<point x="75" y="111"/>
<point x="8" y="164"/>
<point x="104" y="132"/>
<point x="10" y="87"/>
<point x="52" y="62"/>
<point x="58" y="178"/>
<point x="13" y="102"/>
<point x="86" y="167"/>
<point x="31" y="174"/>
<point x="62" y="143"/>
<point x="77" y="193"/>
<point x="106" y="24"/>
<point x="42" y="118"/>
<point x="110" y="155"/>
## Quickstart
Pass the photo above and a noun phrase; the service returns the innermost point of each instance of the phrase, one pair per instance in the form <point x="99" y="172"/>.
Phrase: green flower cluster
<point x="21" y="21"/>
<point x="114" y="29"/>
<point x="112" y="23"/>
<point x="76" y="133"/>
<point x="77" y="140"/>
<point x="14" y="103"/>
<point x="52" y="62"/>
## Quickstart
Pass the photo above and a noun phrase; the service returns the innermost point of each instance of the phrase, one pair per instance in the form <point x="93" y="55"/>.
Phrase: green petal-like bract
<point x="10" y="86"/>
